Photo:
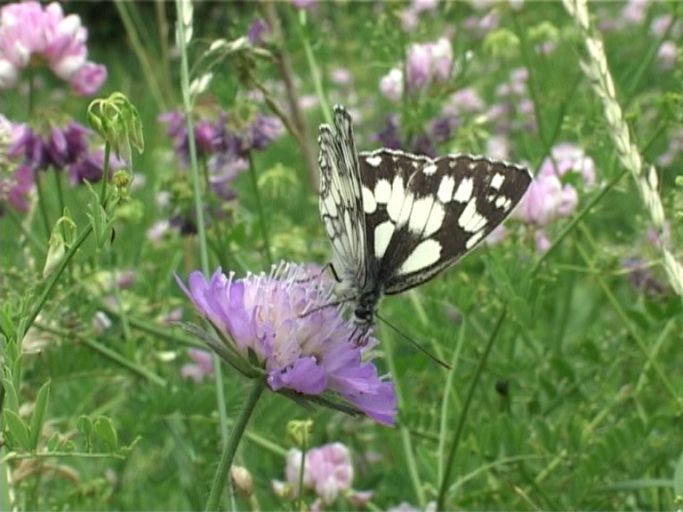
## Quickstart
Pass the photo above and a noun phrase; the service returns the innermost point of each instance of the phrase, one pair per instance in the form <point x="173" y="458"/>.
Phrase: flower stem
<point x="197" y="191"/>
<point x="259" y="206"/>
<point x="220" y="478"/>
<point x="56" y="275"/>
<point x="443" y="487"/>
<point x="41" y="202"/>
<point x="105" y="173"/>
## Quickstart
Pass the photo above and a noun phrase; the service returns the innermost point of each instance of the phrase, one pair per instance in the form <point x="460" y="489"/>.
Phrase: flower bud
<point x="242" y="480"/>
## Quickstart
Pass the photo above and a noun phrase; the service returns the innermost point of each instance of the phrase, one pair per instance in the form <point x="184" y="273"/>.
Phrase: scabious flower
<point x="281" y="321"/>
<point x="200" y="367"/>
<point x="30" y="32"/>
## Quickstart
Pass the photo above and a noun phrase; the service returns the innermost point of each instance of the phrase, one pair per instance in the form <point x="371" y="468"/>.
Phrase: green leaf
<point x="53" y="442"/>
<point x="104" y="429"/>
<point x="39" y="414"/>
<point x="11" y="402"/>
<point x="17" y="429"/>
<point x="84" y="426"/>
<point x="678" y="477"/>
<point x="6" y="324"/>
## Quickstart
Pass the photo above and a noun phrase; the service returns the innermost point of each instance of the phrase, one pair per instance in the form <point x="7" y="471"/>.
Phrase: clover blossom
<point x="30" y="32"/>
<point x="327" y="470"/>
<point x="63" y="147"/>
<point x="279" y="320"/>
<point x="16" y="178"/>
<point x="225" y="149"/>
<point x="548" y="198"/>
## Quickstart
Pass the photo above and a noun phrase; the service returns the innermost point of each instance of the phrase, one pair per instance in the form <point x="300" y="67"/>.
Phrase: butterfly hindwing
<point x="423" y="214"/>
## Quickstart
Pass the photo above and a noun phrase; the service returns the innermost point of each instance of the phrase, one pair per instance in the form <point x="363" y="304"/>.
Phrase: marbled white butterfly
<point x="395" y="220"/>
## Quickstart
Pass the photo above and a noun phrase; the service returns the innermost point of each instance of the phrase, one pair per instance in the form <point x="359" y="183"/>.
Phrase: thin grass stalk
<point x="443" y="421"/>
<point x="406" y="441"/>
<point x="184" y="36"/>
<point x="457" y="436"/>
<point x="140" y="53"/>
<point x="287" y="73"/>
<point x="647" y="180"/>
<point x="259" y="207"/>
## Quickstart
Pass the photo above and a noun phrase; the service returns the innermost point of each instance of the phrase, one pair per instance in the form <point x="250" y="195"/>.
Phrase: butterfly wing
<point x="341" y="202"/>
<point x="423" y="215"/>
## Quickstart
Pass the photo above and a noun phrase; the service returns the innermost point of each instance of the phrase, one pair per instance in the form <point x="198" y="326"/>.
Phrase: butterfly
<point x="395" y="219"/>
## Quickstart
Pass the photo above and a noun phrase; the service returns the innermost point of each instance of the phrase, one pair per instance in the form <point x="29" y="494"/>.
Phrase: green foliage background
<point x="580" y="403"/>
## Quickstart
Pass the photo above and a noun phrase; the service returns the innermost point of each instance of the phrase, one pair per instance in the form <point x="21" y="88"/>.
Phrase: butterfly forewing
<point x="340" y="203"/>
<point x="422" y="215"/>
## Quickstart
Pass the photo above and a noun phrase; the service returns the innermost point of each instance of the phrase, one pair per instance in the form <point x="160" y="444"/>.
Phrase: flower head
<point x="16" y="178"/>
<point x="30" y="32"/>
<point x="280" y="321"/>
<point x="327" y="470"/>
<point x="200" y="367"/>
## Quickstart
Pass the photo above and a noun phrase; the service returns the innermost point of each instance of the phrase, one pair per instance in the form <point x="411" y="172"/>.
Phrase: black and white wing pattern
<point x="341" y="203"/>
<point x="423" y="214"/>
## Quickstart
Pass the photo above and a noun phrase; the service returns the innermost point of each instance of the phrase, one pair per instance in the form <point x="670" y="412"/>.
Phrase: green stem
<point x="443" y="425"/>
<point x="220" y="478"/>
<point x="302" y="468"/>
<point x="259" y="206"/>
<point x="315" y="72"/>
<point x="41" y="202"/>
<point x="140" y="52"/>
<point x="405" y="433"/>
<point x="198" y="203"/>
<point x="141" y="371"/>
<point x="151" y="328"/>
<point x="105" y="174"/>
<point x="27" y="233"/>
<point x="443" y="488"/>
<point x="56" y="275"/>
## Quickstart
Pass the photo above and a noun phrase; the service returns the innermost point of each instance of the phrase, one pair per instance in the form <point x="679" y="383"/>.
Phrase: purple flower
<point x="277" y="320"/>
<point x="390" y="136"/>
<point x="28" y="30"/>
<point x="341" y="76"/>
<point x="546" y="200"/>
<point x="90" y="166"/>
<point x="567" y="157"/>
<point x="65" y="145"/>
<point x="667" y="54"/>
<point x="258" y="31"/>
<point x="16" y="188"/>
<point x="427" y="63"/>
<point x="200" y="367"/>
<point x="391" y="84"/>
<point x="16" y="177"/>
<point x="264" y="130"/>
<point x="634" y="11"/>
<point x="328" y="471"/>
<point x="304" y="4"/>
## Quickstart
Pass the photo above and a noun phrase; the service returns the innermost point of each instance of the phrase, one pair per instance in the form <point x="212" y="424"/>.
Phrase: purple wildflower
<point x="328" y="471"/>
<point x="16" y="178"/>
<point x="667" y="55"/>
<point x="258" y="31"/>
<point x="29" y="30"/>
<point x="428" y="63"/>
<point x="276" y="320"/>
<point x="264" y="130"/>
<point x="200" y="367"/>
<point x="66" y="145"/>
<point x="391" y="85"/>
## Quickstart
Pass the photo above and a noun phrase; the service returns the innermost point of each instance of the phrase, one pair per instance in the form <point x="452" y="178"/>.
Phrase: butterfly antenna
<point x="414" y="343"/>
